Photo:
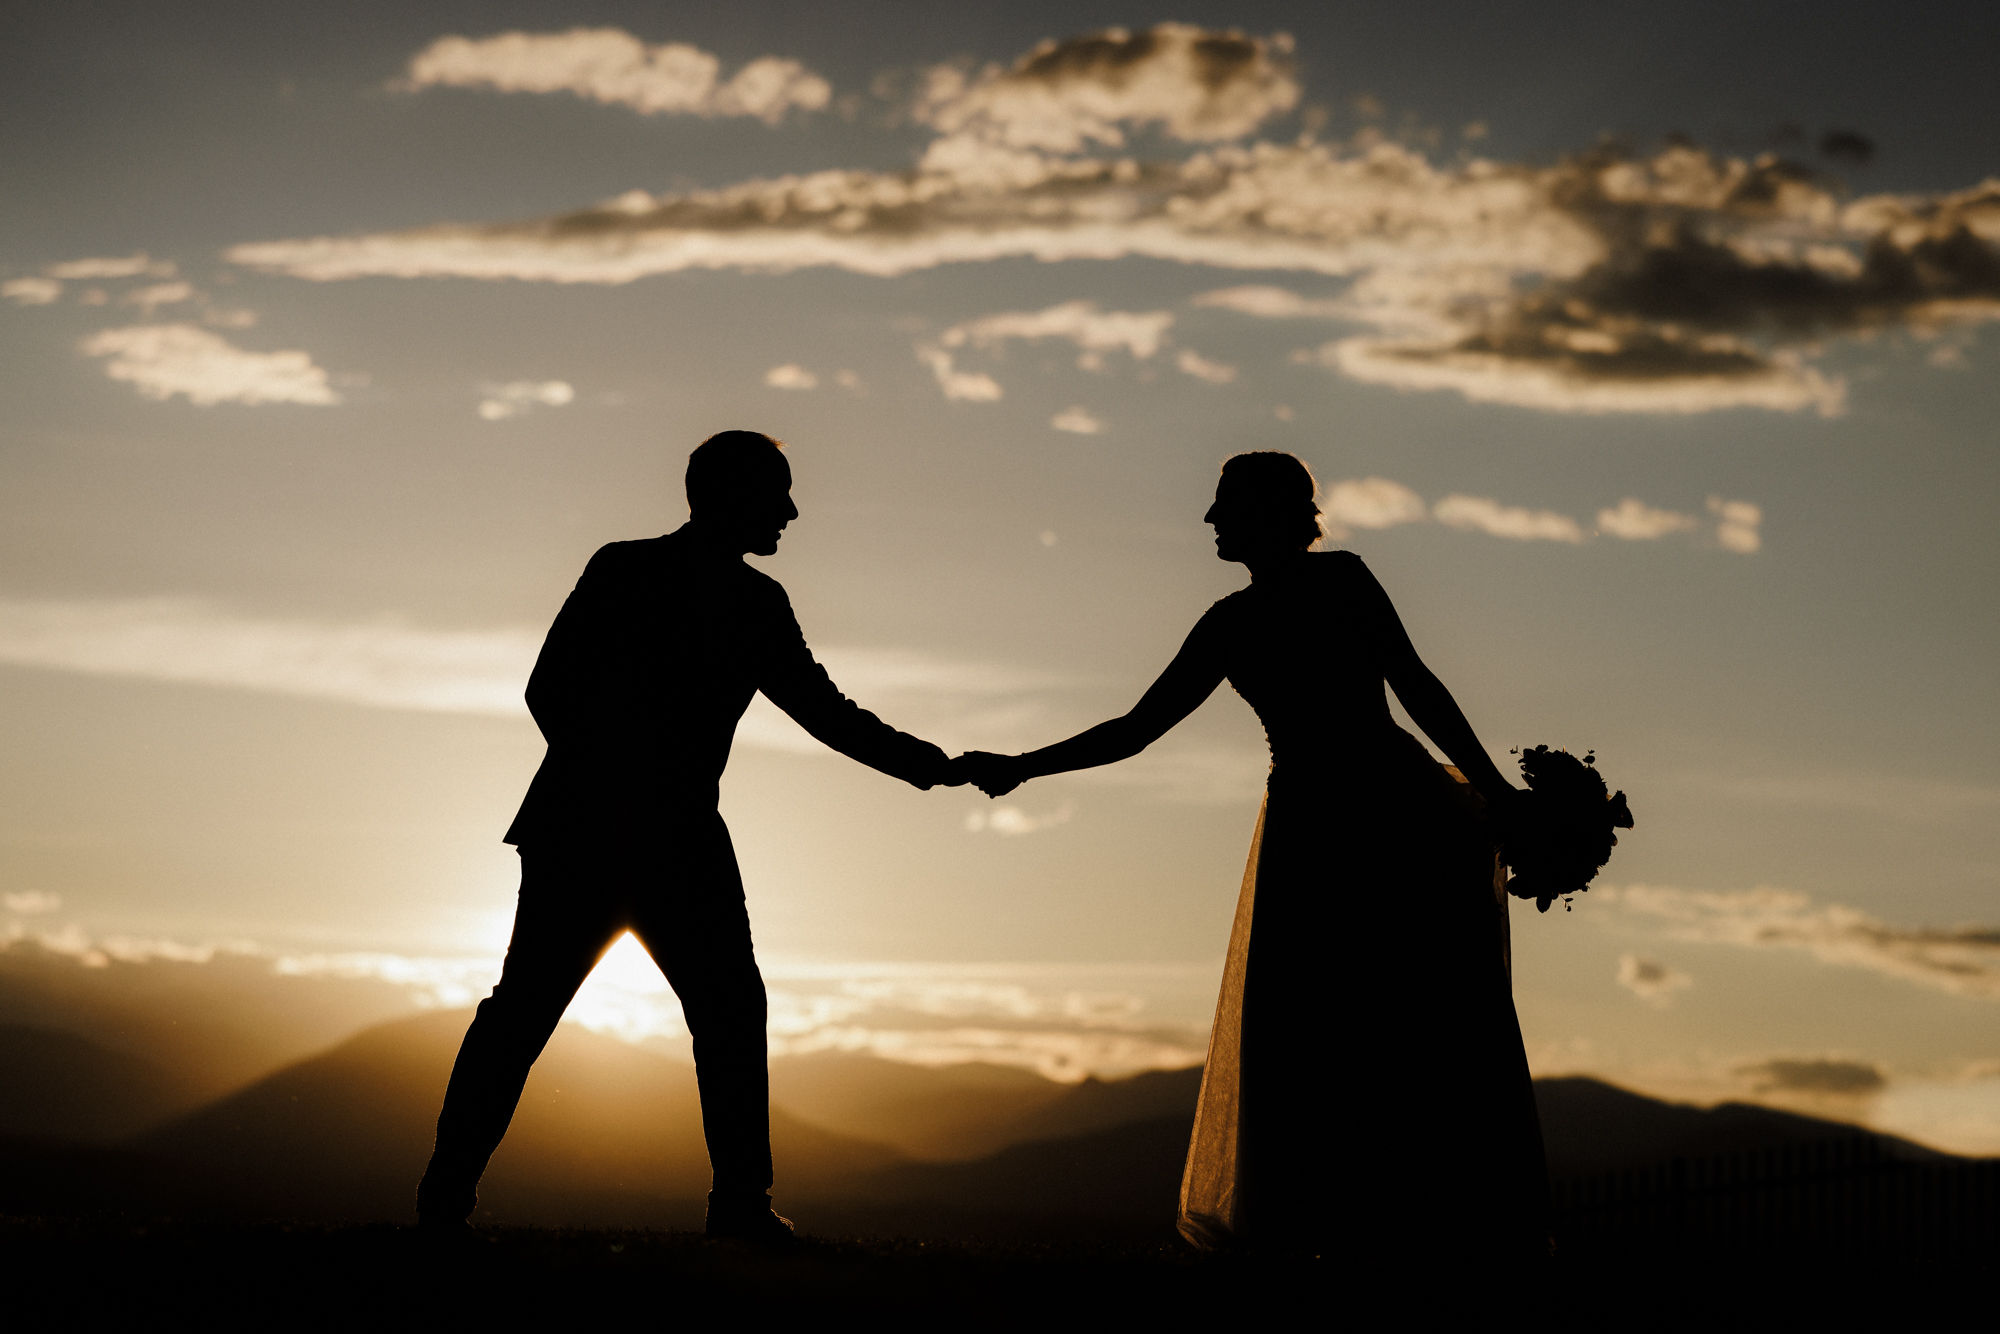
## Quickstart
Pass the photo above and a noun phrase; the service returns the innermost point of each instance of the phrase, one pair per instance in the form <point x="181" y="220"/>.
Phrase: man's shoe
<point x="441" y="1225"/>
<point x="751" y="1220"/>
<point x="445" y="1199"/>
<point x="443" y="1235"/>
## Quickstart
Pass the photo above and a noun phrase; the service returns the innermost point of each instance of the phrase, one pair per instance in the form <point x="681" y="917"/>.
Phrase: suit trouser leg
<point x="699" y="935"/>
<point x="566" y="919"/>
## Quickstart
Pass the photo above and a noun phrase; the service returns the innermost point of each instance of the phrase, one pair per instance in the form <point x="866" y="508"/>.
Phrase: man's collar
<point x="697" y="540"/>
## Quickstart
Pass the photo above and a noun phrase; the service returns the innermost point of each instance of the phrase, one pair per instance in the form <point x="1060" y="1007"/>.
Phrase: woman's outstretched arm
<point x="1429" y="704"/>
<point x="1189" y="679"/>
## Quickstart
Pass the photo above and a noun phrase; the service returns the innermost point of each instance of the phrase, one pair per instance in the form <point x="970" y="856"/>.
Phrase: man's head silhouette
<point x="739" y="491"/>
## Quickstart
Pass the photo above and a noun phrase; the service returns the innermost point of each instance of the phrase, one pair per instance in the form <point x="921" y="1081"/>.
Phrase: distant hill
<point x="1098" y="1159"/>
<point x="605" y="1134"/>
<point x="947" y="1113"/>
<point x="954" y="1113"/>
<point x="1101" y="1104"/>
<point x="609" y="1135"/>
<point x="60" y="1085"/>
<point x="1116" y="1184"/>
<point x="1104" y="1160"/>
<point x="1590" y="1126"/>
<point x="215" y="1025"/>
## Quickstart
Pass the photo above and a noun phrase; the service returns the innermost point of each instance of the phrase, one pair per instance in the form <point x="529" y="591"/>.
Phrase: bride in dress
<point x="1366" y="1092"/>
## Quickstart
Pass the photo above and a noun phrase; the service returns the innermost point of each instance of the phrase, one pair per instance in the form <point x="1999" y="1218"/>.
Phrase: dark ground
<point x="90" y="1274"/>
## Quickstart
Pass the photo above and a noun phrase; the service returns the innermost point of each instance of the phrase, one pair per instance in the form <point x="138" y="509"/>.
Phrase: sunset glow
<point x="1651" y="369"/>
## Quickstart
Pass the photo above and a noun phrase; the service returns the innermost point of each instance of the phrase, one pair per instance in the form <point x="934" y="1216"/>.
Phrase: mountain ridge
<point x="609" y="1135"/>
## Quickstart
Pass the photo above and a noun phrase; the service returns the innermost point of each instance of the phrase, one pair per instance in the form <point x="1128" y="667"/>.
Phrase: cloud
<point x="1378" y="502"/>
<point x="1193" y="363"/>
<point x="1196" y="85"/>
<point x="498" y="402"/>
<point x="959" y="386"/>
<point x="1370" y="502"/>
<point x="31" y="901"/>
<point x="612" y="66"/>
<point x="1838" y="1078"/>
<point x="1307" y="208"/>
<point x="1963" y="961"/>
<point x="384" y="664"/>
<point x="1636" y="521"/>
<point x="127" y="266"/>
<point x="155" y="295"/>
<point x="1650" y="981"/>
<point x="1066" y="1021"/>
<point x="1736" y="524"/>
<point x="1673" y="282"/>
<point x="1481" y="514"/>
<point x="387" y="663"/>
<point x="1639" y="372"/>
<point x="1064" y="1054"/>
<point x="1013" y="821"/>
<point x="162" y="360"/>
<point x="1273" y="303"/>
<point x="791" y="375"/>
<point x="31" y="291"/>
<point x="1136" y="332"/>
<point x="1716" y="279"/>
<point x="1095" y="332"/>
<point x="1077" y="420"/>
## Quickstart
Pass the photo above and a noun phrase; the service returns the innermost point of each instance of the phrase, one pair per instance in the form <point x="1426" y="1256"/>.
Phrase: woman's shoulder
<point x="1342" y="567"/>
<point x="1228" y="605"/>
<point x="1330" y="568"/>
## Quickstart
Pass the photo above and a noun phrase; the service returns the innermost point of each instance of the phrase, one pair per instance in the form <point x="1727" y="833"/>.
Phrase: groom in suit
<point x="638" y="690"/>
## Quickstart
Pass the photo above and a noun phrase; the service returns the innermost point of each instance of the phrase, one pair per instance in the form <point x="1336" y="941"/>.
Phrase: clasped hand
<point x="995" y="775"/>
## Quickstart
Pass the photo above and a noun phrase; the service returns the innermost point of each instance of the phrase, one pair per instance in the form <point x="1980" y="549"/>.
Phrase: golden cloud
<point x="164" y="360"/>
<point x="1197" y="85"/>
<point x="612" y="66"/>
<point x="1675" y="282"/>
<point x="1963" y="961"/>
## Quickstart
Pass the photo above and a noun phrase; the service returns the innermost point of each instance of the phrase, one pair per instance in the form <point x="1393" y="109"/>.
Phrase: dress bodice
<point x="1305" y="649"/>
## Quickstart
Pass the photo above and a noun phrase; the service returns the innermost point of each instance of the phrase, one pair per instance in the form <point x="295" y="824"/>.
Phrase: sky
<point x="1644" y="352"/>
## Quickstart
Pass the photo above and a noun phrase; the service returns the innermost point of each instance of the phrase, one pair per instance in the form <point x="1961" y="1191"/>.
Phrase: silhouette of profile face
<point x="739" y="490"/>
<point x="1263" y="507"/>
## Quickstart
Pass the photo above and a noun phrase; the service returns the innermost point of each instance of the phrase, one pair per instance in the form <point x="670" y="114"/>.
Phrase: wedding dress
<point x="1366" y="1088"/>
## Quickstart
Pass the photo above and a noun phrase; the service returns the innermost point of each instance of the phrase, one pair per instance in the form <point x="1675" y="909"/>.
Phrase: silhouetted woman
<point x="1366" y="1092"/>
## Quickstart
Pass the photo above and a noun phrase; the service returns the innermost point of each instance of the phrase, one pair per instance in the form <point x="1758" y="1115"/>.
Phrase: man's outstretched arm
<point x="795" y="682"/>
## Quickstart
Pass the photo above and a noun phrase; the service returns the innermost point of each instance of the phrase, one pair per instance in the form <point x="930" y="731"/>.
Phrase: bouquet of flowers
<point x="1559" y="835"/>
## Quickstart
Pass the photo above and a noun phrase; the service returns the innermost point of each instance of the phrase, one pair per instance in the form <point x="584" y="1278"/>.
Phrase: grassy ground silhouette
<point x="103" y="1273"/>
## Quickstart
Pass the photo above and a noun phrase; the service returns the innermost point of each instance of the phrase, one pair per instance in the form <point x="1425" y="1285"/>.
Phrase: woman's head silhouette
<point x="1264" y="507"/>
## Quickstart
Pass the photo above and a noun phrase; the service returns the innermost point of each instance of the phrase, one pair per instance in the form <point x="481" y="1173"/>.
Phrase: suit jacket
<point x="643" y="678"/>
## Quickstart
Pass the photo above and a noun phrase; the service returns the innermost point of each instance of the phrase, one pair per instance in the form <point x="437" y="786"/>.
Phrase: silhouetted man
<point x="640" y="684"/>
